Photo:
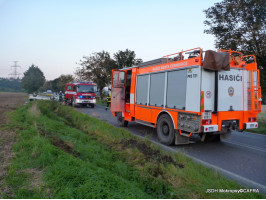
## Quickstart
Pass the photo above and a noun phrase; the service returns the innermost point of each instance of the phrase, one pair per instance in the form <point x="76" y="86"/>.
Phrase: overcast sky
<point x="56" y="34"/>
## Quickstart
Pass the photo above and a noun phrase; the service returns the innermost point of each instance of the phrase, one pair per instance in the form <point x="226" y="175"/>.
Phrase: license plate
<point x="252" y="126"/>
<point x="211" y="128"/>
<point x="207" y="115"/>
<point x="86" y="101"/>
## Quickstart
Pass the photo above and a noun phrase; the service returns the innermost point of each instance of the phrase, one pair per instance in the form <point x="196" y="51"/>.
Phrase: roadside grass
<point x="83" y="157"/>
<point x="74" y="164"/>
<point x="101" y="102"/>
<point x="262" y="127"/>
<point x="262" y="122"/>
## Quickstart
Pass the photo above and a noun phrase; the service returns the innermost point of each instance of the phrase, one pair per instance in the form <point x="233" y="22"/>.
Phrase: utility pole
<point x="15" y="74"/>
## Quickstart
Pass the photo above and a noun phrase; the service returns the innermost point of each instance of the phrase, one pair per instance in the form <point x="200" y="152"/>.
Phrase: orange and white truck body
<point x="196" y="100"/>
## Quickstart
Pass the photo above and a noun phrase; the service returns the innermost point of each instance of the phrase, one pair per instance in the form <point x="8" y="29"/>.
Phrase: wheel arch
<point x="165" y="112"/>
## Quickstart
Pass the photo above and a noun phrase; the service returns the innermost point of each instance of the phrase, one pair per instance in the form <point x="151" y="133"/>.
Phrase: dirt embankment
<point x="8" y="102"/>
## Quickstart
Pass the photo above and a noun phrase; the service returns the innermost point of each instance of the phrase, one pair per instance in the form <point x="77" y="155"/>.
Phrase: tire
<point x="121" y="121"/>
<point x="83" y="105"/>
<point x="73" y="102"/>
<point x="165" y="130"/>
<point x="92" y="105"/>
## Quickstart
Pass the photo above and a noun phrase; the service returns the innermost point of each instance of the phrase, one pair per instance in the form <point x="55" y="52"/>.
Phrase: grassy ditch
<point x="61" y="153"/>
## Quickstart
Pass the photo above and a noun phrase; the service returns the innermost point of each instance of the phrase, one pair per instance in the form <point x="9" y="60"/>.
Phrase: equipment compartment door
<point x="118" y="91"/>
<point x="231" y="91"/>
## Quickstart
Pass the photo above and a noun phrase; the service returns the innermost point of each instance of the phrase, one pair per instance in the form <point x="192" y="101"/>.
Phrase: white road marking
<point x="246" y="146"/>
<point x="256" y="134"/>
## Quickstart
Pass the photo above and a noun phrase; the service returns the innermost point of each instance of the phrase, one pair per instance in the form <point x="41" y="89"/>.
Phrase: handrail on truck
<point x="181" y="53"/>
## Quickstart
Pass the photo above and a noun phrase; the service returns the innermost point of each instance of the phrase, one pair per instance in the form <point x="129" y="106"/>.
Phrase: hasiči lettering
<point x="230" y="77"/>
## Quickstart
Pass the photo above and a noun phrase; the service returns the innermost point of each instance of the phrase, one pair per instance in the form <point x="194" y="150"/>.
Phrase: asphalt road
<point x="241" y="158"/>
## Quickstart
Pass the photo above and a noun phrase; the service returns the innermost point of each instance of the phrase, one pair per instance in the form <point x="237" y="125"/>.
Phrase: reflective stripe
<point x="67" y="92"/>
<point x="132" y="98"/>
<point x="202" y="101"/>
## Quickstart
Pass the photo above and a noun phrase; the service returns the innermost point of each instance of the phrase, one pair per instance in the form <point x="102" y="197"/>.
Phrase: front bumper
<point x="92" y="101"/>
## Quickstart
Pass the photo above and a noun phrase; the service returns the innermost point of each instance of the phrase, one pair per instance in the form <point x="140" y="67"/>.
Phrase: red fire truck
<point x="81" y="94"/>
<point x="183" y="94"/>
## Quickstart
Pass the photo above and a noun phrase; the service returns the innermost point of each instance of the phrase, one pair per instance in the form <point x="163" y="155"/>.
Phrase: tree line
<point x="34" y="81"/>
<point x="8" y="85"/>
<point x="96" y="67"/>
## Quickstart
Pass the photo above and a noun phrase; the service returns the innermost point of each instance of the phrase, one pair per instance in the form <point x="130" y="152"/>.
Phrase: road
<point x="241" y="158"/>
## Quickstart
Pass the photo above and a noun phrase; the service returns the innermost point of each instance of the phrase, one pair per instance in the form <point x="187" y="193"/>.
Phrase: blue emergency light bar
<point x="81" y="82"/>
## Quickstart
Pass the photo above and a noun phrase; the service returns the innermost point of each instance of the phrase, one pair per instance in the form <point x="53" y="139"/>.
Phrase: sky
<point x="56" y="34"/>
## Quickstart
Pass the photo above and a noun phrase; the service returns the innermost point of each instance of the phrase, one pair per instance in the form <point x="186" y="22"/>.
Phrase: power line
<point x="15" y="74"/>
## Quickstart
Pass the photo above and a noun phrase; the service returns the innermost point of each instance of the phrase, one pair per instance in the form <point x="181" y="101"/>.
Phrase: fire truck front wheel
<point x="165" y="130"/>
<point x="121" y="121"/>
<point x="73" y="102"/>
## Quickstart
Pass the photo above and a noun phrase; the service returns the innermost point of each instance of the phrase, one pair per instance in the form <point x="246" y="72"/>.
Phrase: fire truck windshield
<point x="86" y="88"/>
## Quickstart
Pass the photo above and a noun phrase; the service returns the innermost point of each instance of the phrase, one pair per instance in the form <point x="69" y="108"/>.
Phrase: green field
<point x="61" y="153"/>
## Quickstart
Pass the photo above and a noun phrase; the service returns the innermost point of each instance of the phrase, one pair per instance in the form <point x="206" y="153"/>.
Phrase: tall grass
<point x="89" y="170"/>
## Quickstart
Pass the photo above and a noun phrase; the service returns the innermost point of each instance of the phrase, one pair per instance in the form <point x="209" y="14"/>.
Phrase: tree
<point x="54" y="84"/>
<point x="62" y="80"/>
<point x="33" y="79"/>
<point x="97" y="68"/>
<point x="46" y="86"/>
<point x="58" y="84"/>
<point x="240" y="25"/>
<point x="126" y="58"/>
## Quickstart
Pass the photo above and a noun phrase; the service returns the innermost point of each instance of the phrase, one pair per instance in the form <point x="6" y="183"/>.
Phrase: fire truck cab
<point x="81" y="94"/>
<point x="183" y="94"/>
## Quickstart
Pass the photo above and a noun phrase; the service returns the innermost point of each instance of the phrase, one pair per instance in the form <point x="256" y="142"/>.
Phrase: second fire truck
<point x="81" y="94"/>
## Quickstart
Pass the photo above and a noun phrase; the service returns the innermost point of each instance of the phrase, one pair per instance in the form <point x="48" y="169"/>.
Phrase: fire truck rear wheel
<point x="165" y="130"/>
<point x="121" y="121"/>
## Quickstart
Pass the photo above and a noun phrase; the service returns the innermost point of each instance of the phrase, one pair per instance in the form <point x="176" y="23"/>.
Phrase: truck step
<point x="185" y="134"/>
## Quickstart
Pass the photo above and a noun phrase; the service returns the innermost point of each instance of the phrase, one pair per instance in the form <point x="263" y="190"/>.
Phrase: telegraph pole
<point x="15" y="74"/>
